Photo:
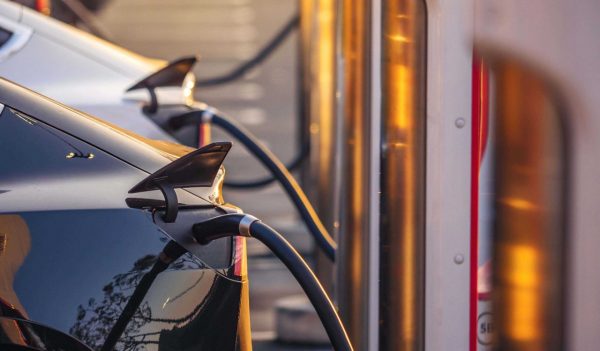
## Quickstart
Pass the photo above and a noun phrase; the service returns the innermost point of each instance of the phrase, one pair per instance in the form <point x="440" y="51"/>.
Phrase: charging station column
<point x="366" y="101"/>
<point x="352" y="286"/>
<point x="317" y="29"/>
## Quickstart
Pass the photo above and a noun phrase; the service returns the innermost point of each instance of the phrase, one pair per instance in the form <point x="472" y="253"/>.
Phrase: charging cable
<point x="170" y="253"/>
<point x="249" y="226"/>
<point x="208" y="114"/>
<point x="257" y="183"/>
<point x="263" y="54"/>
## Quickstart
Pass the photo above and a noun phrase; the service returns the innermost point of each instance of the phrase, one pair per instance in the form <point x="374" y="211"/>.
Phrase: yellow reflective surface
<point x="403" y="175"/>
<point x="531" y="171"/>
<point x="244" y="327"/>
<point x="354" y="115"/>
<point x="522" y="274"/>
<point x="317" y="28"/>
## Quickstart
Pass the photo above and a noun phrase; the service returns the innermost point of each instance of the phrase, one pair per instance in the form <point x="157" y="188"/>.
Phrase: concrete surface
<point x="295" y="321"/>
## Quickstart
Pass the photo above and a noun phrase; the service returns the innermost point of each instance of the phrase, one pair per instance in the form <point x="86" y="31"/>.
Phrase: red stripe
<point x="479" y="106"/>
<point x="202" y="135"/>
<point x="42" y="6"/>
<point x="239" y="255"/>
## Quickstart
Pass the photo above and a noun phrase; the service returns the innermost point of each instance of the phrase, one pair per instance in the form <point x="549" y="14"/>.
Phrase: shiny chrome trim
<point x="208" y="113"/>
<point x="374" y="196"/>
<point x="245" y="223"/>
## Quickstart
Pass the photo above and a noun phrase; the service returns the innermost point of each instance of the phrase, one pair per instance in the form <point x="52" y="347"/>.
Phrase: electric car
<point x="83" y="223"/>
<point x="90" y="74"/>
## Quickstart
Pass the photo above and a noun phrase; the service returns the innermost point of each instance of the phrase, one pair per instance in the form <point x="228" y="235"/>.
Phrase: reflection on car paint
<point x="15" y="332"/>
<point x="75" y="270"/>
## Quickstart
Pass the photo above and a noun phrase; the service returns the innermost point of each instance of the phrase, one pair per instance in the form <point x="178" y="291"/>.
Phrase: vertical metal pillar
<point x="530" y="200"/>
<point x="352" y="284"/>
<point x="317" y="28"/>
<point x="367" y="132"/>
<point x="402" y="230"/>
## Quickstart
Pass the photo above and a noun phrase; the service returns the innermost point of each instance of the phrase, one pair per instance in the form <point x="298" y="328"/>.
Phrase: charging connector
<point x="249" y="226"/>
<point x="208" y="114"/>
<point x="293" y="165"/>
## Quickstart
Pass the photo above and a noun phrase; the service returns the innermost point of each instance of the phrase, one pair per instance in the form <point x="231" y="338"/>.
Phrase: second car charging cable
<point x="294" y="164"/>
<point x="207" y="114"/>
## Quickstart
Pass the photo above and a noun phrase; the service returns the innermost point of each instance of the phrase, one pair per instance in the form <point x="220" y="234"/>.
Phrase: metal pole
<point x="402" y="226"/>
<point x="530" y="199"/>
<point x="317" y="28"/>
<point x="354" y="116"/>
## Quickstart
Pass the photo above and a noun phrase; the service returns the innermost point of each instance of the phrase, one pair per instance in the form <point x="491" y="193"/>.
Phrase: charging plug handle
<point x="221" y="227"/>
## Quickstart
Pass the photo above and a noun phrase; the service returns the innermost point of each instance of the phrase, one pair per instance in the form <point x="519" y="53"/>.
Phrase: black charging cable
<point x="170" y="253"/>
<point x="261" y="182"/>
<point x="249" y="226"/>
<point x="264" y="53"/>
<point x="207" y="114"/>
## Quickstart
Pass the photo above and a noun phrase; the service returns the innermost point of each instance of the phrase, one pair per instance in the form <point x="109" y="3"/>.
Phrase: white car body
<point x="82" y="71"/>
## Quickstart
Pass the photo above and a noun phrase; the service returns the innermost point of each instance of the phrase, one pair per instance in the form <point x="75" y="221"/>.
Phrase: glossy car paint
<point x="82" y="71"/>
<point x="73" y="249"/>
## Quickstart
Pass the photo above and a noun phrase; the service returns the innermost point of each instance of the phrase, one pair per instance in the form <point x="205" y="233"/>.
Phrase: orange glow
<point x="520" y="204"/>
<point x="403" y="77"/>
<point x="529" y="219"/>
<point x="399" y="38"/>
<point x="244" y="327"/>
<point x="400" y="93"/>
<point x="523" y="275"/>
<point x="43" y="6"/>
<point x="325" y="77"/>
<point x="353" y="110"/>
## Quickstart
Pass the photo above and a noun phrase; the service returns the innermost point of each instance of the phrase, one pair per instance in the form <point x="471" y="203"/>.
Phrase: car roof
<point x="121" y="60"/>
<point x="145" y="154"/>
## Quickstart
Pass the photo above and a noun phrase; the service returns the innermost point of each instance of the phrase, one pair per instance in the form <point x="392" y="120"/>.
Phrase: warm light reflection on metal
<point x="523" y="274"/>
<point x="189" y="83"/>
<point x="317" y="38"/>
<point x="217" y="189"/>
<point x="244" y="325"/>
<point x="520" y="204"/>
<point x="403" y="175"/>
<point x="326" y="79"/>
<point x="530" y="211"/>
<point x="399" y="38"/>
<point x="318" y="41"/>
<point x="354" y="118"/>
